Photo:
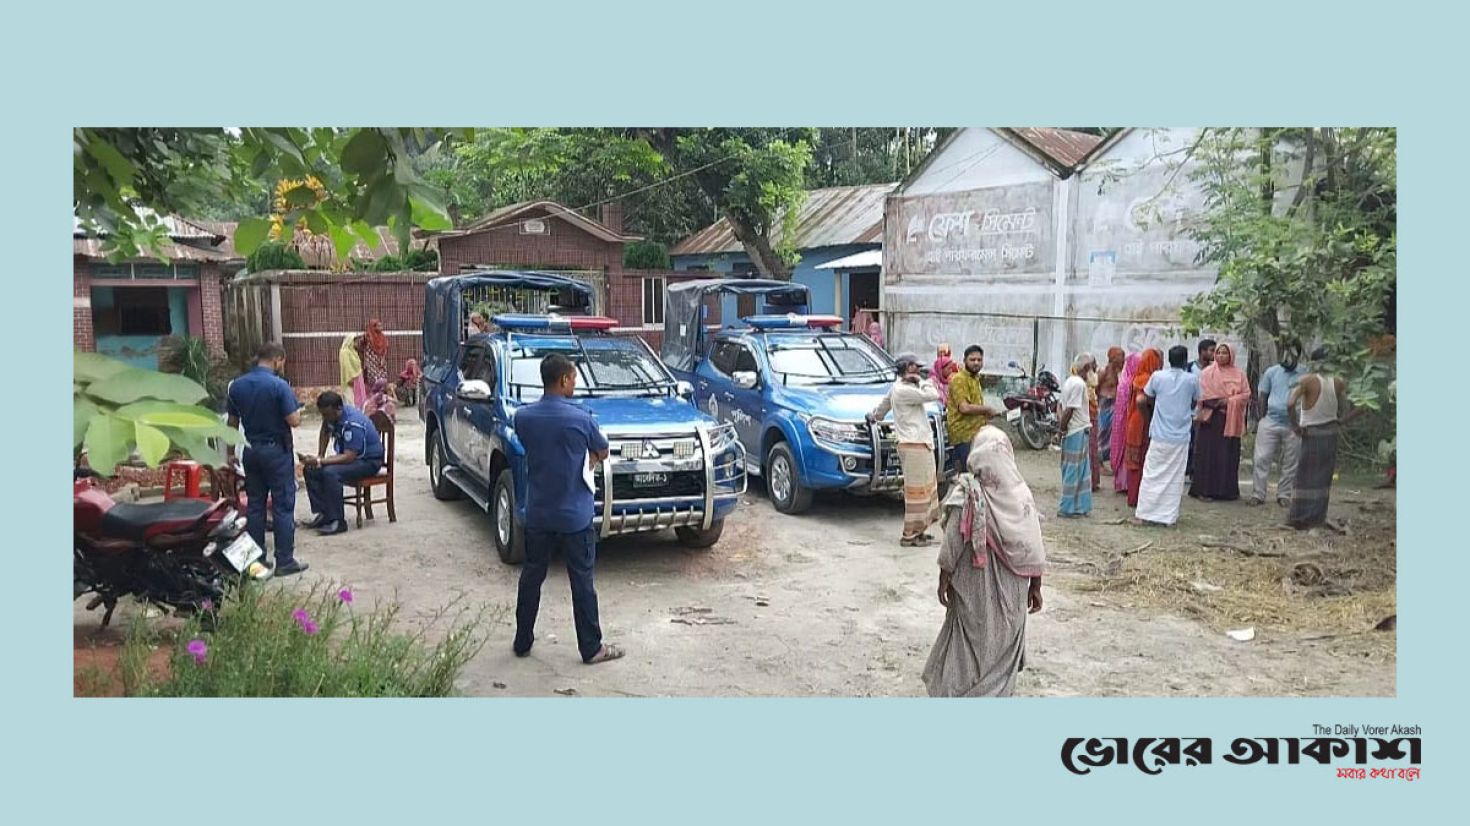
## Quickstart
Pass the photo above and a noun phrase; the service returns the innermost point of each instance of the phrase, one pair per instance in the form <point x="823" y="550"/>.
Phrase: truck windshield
<point x="827" y="358"/>
<point x="604" y="367"/>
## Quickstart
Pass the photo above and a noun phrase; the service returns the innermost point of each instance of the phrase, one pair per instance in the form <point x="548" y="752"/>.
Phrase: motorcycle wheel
<point x="1032" y="433"/>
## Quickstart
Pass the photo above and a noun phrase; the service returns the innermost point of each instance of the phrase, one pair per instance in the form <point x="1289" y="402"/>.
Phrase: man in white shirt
<point x="908" y="400"/>
<point x="1074" y="421"/>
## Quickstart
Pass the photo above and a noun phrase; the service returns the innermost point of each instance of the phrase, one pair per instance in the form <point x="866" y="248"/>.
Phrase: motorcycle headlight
<point x="833" y="431"/>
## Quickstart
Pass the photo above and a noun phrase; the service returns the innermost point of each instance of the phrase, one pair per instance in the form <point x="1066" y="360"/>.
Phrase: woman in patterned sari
<point x="1122" y="409"/>
<point x="1140" y="416"/>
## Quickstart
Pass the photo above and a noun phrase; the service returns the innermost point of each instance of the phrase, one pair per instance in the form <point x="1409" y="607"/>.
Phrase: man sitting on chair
<point x="359" y="456"/>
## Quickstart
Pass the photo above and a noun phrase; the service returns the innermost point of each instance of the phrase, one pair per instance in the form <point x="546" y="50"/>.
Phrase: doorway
<point x="862" y="292"/>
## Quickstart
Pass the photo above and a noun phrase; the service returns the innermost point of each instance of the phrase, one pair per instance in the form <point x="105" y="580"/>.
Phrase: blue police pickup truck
<point x="669" y="465"/>
<point x="795" y="388"/>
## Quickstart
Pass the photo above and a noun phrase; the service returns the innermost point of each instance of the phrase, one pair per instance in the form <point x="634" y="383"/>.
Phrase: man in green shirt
<point x="966" y="411"/>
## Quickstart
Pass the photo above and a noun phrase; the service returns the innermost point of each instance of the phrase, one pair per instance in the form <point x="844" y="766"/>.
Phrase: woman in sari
<point x="1107" y="395"/>
<point x="1140" y="416"/>
<point x="875" y="335"/>
<point x="990" y="566"/>
<point x="1122" y="408"/>
<point x="374" y="354"/>
<point x="1224" y="393"/>
<point x="408" y="382"/>
<point x="349" y="360"/>
<point x="380" y="401"/>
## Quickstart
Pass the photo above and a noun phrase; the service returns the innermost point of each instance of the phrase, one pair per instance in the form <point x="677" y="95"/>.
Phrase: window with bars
<point x="146" y="270"/>
<point x="653" y="302"/>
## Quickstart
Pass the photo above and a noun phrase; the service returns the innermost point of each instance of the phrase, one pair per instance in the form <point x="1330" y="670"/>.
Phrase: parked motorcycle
<point x="1033" y="412"/>
<point x="175" y="554"/>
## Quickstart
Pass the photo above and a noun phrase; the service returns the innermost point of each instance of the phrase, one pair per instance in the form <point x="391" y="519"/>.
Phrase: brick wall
<point x="327" y="310"/>
<point x="564" y="247"/>
<point x="209" y="300"/>
<point x="83" y="336"/>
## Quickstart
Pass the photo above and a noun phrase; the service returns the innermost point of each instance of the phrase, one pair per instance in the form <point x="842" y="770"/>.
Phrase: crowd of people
<point x="1162" y="426"/>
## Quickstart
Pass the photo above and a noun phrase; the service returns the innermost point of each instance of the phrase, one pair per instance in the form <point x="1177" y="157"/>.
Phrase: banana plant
<point x="119" y="410"/>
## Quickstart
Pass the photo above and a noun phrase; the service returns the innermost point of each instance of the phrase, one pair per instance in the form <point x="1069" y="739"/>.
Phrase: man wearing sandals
<point x="562" y="441"/>
<point x="907" y="399"/>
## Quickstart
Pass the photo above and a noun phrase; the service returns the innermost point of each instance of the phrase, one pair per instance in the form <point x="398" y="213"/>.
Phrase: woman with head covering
<point x="944" y="367"/>
<point x="374" y="354"/>
<point x="1107" y="395"/>
<point x="1224" y="393"/>
<point x="910" y="394"/>
<point x="1118" y="440"/>
<point x="875" y="334"/>
<point x="1094" y="459"/>
<point x="990" y="567"/>
<point x="1140" y="416"/>
<point x="349" y="361"/>
<point x="408" y="382"/>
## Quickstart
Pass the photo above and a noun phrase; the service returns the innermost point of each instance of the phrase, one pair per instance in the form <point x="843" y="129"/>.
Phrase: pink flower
<point x="309" y="627"/>
<point x="207" y="605"/>
<point x="345" y="595"/>
<point x="300" y="616"/>
<point x="198" y="649"/>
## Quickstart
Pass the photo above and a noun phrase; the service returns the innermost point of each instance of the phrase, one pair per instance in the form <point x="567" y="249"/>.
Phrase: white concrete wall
<point x="1117" y="264"/>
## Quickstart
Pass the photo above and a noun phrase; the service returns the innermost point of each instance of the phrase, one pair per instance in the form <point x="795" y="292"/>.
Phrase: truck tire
<point x="783" y="483"/>
<point x="510" y="537"/>
<point x="444" y="490"/>
<point x="692" y="537"/>
<point x="1031" y="431"/>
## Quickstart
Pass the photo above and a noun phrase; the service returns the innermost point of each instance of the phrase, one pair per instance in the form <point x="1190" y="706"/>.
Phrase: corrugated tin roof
<point x="313" y="247"/>
<point x="857" y="261"/>
<point x="1064" y="146"/>
<point x="179" y="229"/>
<point x="92" y="248"/>
<point x="828" y="218"/>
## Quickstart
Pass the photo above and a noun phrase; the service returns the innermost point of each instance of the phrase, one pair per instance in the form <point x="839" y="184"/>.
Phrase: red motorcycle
<point x="175" y="554"/>
<point x="1033" y="413"/>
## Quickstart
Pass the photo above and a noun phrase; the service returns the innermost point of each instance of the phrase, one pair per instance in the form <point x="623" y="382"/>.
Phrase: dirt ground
<point x="828" y="604"/>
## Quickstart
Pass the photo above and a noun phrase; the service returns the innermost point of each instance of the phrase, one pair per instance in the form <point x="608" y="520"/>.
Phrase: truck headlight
<point x="833" y="431"/>
<point x="722" y="438"/>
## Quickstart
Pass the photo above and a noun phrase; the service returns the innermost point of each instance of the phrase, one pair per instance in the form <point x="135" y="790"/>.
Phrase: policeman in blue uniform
<point x="359" y="455"/>
<point x="263" y="402"/>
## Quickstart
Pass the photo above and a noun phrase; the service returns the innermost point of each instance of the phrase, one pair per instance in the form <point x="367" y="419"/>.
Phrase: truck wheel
<point x="510" y="538"/>
<point x="783" y="483"/>
<point x="692" y="537"/>
<point x="1031" y="431"/>
<point x="444" y="490"/>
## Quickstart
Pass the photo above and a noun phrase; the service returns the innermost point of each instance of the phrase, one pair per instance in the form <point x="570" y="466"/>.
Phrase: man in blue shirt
<point x="1173" y="394"/>
<point x="562" y="442"/>
<point x="359" y="455"/>
<point x="1274" y="436"/>
<point x="263" y="402"/>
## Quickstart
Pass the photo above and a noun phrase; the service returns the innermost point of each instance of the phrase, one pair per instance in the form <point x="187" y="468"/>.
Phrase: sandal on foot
<point x="608" y="652"/>
<point x="920" y="541"/>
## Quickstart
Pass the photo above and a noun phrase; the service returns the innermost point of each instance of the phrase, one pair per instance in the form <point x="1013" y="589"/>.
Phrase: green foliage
<point x="270" y="642"/>
<point x="118" y="409"/>
<point x="416" y="260"/>
<point x="646" y="255"/>
<point x="854" y="156"/>
<point x="190" y="356"/>
<point x="273" y="255"/>
<point x="124" y="178"/>
<point x="1302" y="226"/>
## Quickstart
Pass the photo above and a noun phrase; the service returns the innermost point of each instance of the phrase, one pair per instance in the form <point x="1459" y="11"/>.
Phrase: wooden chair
<point x="360" y="495"/>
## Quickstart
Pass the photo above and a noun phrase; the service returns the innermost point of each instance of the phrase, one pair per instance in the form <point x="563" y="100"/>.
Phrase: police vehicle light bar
<point x="593" y="322"/>
<point x="520" y="323"/>
<point x="792" y="322"/>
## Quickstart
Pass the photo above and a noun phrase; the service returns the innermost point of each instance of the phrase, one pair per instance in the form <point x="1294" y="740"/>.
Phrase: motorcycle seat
<point x="129" y="521"/>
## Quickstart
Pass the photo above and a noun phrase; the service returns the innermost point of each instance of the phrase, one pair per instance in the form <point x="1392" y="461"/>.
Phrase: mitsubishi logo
<point x="650" y="450"/>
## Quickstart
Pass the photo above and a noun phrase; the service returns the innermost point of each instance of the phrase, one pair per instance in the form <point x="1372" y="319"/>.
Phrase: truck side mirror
<point x="474" y="390"/>
<point x="745" y="379"/>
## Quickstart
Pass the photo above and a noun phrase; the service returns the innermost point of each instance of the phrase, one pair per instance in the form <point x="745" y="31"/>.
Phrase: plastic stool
<point x="182" y="473"/>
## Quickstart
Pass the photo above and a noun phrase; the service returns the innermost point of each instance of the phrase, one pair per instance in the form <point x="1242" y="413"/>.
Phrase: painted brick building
<point x="124" y="309"/>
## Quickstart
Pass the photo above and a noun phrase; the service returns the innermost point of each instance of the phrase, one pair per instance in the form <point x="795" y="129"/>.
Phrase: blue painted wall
<point x="141" y="351"/>
<point x="820" y="282"/>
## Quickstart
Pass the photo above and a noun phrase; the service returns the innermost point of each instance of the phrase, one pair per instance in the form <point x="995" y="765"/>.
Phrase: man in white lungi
<point x="1173" y="393"/>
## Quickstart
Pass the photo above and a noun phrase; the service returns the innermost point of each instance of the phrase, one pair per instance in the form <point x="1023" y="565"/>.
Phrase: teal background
<point x="726" y="761"/>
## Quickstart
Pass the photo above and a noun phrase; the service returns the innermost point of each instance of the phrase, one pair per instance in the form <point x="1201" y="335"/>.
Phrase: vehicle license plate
<point x="1013" y="415"/>
<point x="242" y="552"/>
<point x="649" y="480"/>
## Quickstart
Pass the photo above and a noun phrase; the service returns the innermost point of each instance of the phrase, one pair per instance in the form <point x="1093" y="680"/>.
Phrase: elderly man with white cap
<point x="907" y="399"/>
